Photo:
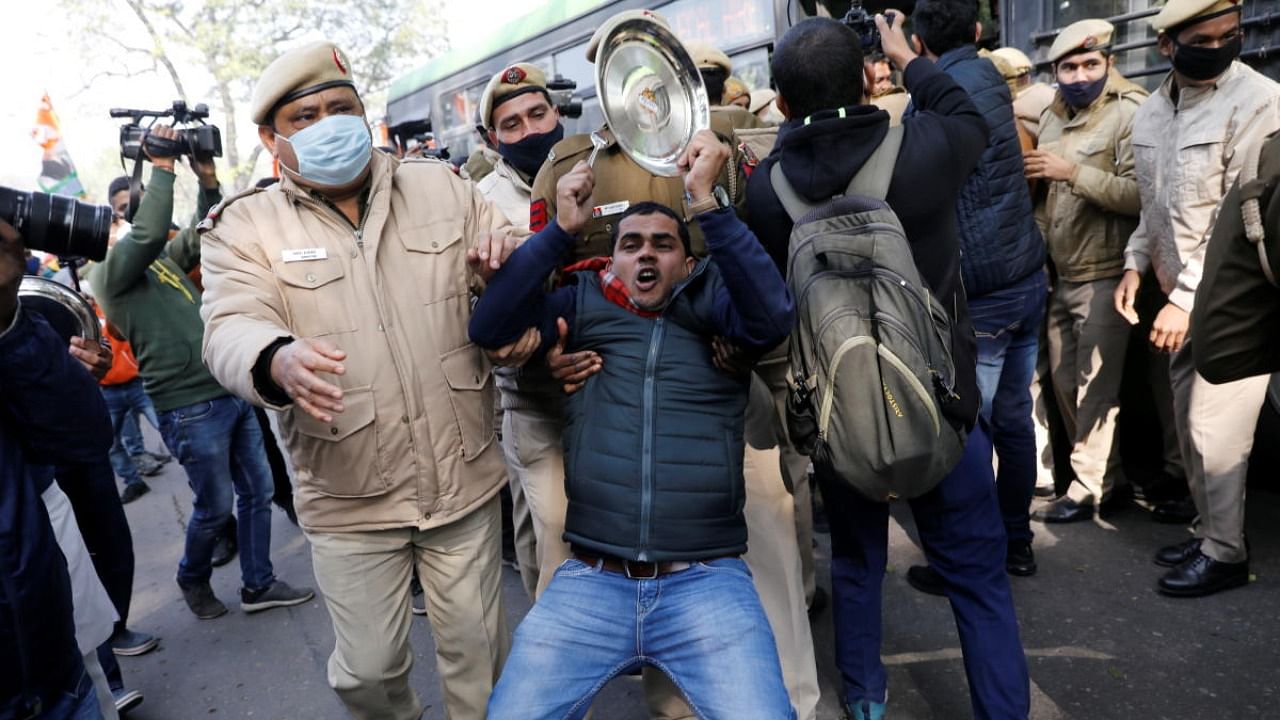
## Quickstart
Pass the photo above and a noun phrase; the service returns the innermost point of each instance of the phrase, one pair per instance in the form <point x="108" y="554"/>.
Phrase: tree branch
<point x="159" y="52"/>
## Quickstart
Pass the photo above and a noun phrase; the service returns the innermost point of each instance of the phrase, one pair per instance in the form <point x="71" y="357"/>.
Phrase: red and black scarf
<point x="611" y="285"/>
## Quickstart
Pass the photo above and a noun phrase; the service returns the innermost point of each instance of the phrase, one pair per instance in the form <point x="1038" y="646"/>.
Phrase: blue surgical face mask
<point x="332" y="152"/>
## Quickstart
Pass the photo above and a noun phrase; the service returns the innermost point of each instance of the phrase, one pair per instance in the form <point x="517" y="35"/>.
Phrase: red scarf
<point x="611" y="285"/>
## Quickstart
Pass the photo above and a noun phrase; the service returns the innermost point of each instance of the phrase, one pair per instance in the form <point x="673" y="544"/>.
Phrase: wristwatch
<point x="719" y="199"/>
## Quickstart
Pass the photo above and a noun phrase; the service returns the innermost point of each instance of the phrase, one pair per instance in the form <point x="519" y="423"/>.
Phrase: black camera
<point x="864" y="24"/>
<point x="201" y="141"/>
<point x="57" y="224"/>
<point x="561" y="90"/>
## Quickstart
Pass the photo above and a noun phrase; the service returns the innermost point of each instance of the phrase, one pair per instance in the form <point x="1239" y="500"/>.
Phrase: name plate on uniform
<point x="304" y="254"/>
<point x="613" y="208"/>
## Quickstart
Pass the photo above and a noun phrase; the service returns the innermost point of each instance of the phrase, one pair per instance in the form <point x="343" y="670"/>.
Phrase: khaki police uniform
<point x="1188" y="151"/>
<point x="1086" y="221"/>
<point x="535" y="468"/>
<point x="774" y="557"/>
<point x="407" y="474"/>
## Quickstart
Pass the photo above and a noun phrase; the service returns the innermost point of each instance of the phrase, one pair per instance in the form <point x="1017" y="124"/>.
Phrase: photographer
<point x="50" y="412"/>
<point x="144" y="290"/>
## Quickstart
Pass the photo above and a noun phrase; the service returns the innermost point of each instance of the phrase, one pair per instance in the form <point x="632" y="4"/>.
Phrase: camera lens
<point x="56" y="224"/>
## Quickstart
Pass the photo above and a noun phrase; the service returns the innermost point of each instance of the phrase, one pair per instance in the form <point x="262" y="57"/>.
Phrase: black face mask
<point x="1080" y="95"/>
<point x="531" y="151"/>
<point x="1199" y="63"/>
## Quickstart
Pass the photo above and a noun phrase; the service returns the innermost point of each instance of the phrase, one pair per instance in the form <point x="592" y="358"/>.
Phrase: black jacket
<point x="50" y="411"/>
<point x="940" y="147"/>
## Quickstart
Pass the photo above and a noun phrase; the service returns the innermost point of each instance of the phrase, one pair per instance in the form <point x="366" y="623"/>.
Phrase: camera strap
<point x="135" y="187"/>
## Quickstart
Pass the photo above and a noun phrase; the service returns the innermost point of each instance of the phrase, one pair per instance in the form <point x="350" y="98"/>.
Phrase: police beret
<point x="1180" y="12"/>
<point x="301" y="71"/>
<point x="1085" y="35"/>
<point x="1002" y="65"/>
<point x="1016" y="60"/>
<point x="761" y="98"/>
<point x="519" y="78"/>
<point x="616" y="20"/>
<point x="707" y="56"/>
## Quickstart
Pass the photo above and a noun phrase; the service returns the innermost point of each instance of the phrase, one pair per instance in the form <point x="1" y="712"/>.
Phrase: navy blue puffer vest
<point x="999" y="239"/>
<point x="653" y="443"/>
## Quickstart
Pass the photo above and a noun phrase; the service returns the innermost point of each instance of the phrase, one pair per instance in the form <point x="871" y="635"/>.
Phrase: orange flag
<point x="57" y="173"/>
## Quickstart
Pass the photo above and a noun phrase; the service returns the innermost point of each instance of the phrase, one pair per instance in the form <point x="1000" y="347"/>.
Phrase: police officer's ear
<point x="493" y="137"/>
<point x="1165" y="44"/>
<point x="267" y="134"/>
<point x="868" y="80"/>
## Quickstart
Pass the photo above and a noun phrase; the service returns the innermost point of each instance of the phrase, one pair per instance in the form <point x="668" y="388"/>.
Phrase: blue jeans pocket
<point x="734" y="565"/>
<point x="573" y="567"/>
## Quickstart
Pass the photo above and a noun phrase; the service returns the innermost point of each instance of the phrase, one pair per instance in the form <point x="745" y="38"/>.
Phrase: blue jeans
<point x="125" y="402"/>
<point x="704" y="627"/>
<point x="960" y="532"/>
<point x="78" y="703"/>
<point x="1007" y="323"/>
<point x="220" y="446"/>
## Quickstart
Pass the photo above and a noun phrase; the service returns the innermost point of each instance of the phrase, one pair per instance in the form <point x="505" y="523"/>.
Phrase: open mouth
<point x="646" y="279"/>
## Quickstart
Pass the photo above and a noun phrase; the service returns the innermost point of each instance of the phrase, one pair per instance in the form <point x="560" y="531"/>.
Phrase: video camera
<point x="57" y="224"/>
<point x="560" y="89"/>
<point x="202" y="141"/>
<point x="864" y="23"/>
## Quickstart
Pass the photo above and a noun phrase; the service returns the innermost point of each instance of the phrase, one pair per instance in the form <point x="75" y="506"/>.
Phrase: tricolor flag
<point x="58" y="173"/>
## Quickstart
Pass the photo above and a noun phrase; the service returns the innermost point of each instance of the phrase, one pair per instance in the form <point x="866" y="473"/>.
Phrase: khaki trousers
<point x="1042" y="406"/>
<point x="364" y="577"/>
<point x="526" y="536"/>
<point x="531" y="441"/>
<point x="1088" y="340"/>
<point x="1216" y="424"/>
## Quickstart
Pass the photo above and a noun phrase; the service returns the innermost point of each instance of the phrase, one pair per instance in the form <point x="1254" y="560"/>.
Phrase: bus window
<point x="572" y="64"/>
<point x="752" y="67"/>
<point x="723" y="23"/>
<point x="459" y="109"/>
<point x="1065" y="13"/>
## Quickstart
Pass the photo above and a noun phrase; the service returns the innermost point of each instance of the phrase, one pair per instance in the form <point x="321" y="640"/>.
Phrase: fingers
<point x="312" y="410"/>
<point x="330" y="351"/>
<point x="562" y="327"/>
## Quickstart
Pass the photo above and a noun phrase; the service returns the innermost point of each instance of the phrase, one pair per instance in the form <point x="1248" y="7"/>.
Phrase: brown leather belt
<point x="634" y="569"/>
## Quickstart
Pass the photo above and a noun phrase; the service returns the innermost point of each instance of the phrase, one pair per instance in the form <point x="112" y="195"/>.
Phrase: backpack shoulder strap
<point x="872" y="180"/>
<point x="877" y="172"/>
<point x="795" y="205"/>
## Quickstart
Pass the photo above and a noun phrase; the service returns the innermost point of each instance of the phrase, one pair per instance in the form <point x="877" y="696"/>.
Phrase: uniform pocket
<point x="433" y="255"/>
<point x="318" y="302"/>
<point x="468" y="373"/>
<point x="340" y="456"/>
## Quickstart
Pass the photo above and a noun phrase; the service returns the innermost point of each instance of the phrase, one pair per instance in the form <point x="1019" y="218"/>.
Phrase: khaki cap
<point x="1180" y="12"/>
<point x="519" y="78"/>
<point x="1017" y="61"/>
<point x="616" y="20"/>
<point x="1002" y="65"/>
<point x="301" y="71"/>
<point x="761" y="98"/>
<point x="1085" y="35"/>
<point x="707" y="56"/>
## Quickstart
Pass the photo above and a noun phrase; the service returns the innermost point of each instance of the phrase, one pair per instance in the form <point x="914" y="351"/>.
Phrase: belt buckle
<point x="626" y="568"/>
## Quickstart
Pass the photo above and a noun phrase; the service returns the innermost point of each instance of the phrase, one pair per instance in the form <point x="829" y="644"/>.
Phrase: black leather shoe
<point x="1063" y="510"/>
<point x="1119" y="498"/>
<point x="1020" y="560"/>
<point x="1202" y="575"/>
<point x="1175" y="512"/>
<point x="1175" y="555"/>
<point x="925" y="579"/>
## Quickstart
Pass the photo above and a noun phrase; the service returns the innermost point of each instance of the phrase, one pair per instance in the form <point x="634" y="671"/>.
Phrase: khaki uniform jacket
<point x="620" y="182"/>
<point x="1087" y="220"/>
<point x="1031" y="103"/>
<point x="1187" y="155"/>
<point x="414" y="446"/>
<point x="505" y="188"/>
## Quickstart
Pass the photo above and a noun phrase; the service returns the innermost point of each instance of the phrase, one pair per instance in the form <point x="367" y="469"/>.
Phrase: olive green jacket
<point x="1087" y="220"/>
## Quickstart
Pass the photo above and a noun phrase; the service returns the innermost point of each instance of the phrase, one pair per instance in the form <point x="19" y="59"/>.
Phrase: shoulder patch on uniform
<point x="538" y="215"/>
<point x="216" y="211"/>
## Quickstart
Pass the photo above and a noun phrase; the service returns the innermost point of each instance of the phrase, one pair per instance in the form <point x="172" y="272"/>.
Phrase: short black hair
<point x="713" y="79"/>
<point x="817" y="66"/>
<point x="120" y="183"/>
<point x="648" y="207"/>
<point x="945" y="25"/>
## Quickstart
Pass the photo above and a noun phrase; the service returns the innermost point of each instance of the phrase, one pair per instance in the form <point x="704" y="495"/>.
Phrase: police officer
<point x="520" y="120"/>
<point x="774" y="556"/>
<point x="1030" y="98"/>
<point x="1189" y="143"/>
<point x="1086" y="214"/>
<point x="716" y="70"/>
<point x="340" y="297"/>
